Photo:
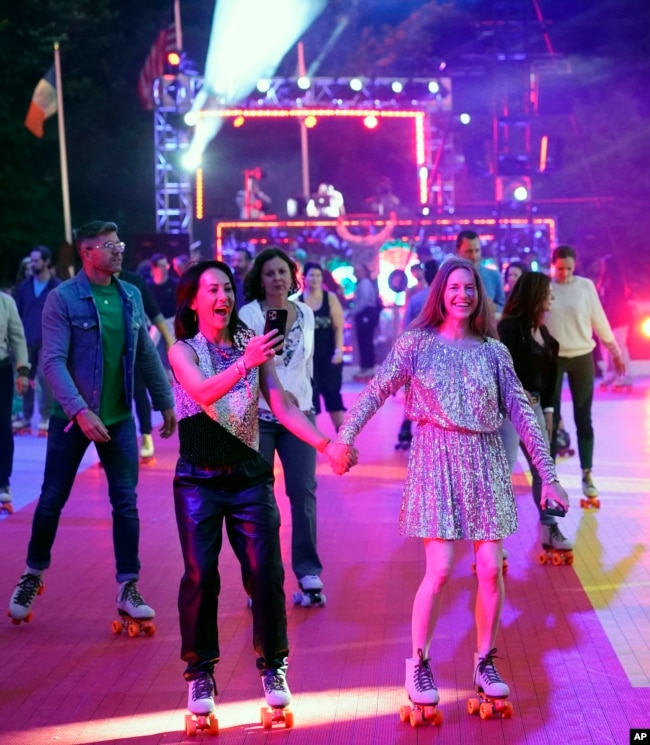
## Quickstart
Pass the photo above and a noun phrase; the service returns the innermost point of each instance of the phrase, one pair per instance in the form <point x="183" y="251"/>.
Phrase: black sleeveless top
<point x="324" y="341"/>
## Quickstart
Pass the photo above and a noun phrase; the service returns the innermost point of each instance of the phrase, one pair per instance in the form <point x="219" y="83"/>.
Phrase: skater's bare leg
<point x="426" y="605"/>
<point x="490" y="593"/>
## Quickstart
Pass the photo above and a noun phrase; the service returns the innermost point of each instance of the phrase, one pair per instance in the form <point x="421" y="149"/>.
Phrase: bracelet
<point x="241" y="368"/>
<point x="81" y="411"/>
<point x="23" y="371"/>
<point x="322" y="445"/>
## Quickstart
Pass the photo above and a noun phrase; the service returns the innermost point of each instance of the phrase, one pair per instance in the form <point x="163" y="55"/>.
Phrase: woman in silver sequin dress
<point x="219" y="366"/>
<point x="460" y="383"/>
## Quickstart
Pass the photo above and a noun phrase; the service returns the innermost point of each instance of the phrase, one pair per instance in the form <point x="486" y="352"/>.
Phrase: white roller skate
<point x="43" y="427"/>
<point x="147" y="449"/>
<point x="6" y="500"/>
<point x="590" y="491"/>
<point x="492" y="691"/>
<point x="200" y="703"/>
<point x="20" y="605"/>
<point x="422" y="693"/>
<point x="135" y="614"/>
<point x="311" y="593"/>
<point x="556" y="548"/>
<point x="278" y="698"/>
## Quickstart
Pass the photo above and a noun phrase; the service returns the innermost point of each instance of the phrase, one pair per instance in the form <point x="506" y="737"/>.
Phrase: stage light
<point x="238" y="121"/>
<point x="191" y="160"/>
<point x="520" y="193"/>
<point x="264" y="85"/>
<point x="356" y="84"/>
<point x="310" y="122"/>
<point x="515" y="190"/>
<point x="173" y="59"/>
<point x="303" y="83"/>
<point x="397" y="86"/>
<point x="191" y="118"/>
<point x="645" y="327"/>
<point x="434" y="87"/>
<point x="465" y="118"/>
<point x="371" y="122"/>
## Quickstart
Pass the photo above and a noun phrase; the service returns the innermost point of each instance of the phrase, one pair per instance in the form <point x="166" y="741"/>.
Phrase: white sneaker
<point x="147" y="448"/>
<point x="200" y="694"/>
<point x="130" y="601"/>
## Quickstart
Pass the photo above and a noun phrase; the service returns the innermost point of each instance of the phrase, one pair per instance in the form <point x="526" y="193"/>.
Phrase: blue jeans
<point x="581" y="374"/>
<point x="299" y="466"/>
<point x="511" y="442"/>
<point x="241" y="496"/>
<point x="119" y="457"/>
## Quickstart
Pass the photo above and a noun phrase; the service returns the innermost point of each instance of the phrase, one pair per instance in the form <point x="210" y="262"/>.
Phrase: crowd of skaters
<point x="554" y="320"/>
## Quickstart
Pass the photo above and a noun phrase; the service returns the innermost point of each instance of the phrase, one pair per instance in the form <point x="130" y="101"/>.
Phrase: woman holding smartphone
<point x="219" y="367"/>
<point x="268" y="286"/>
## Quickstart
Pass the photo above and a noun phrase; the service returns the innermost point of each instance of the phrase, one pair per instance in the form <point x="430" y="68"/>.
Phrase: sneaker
<point x="486" y="676"/>
<point x="276" y="690"/>
<point x="200" y="694"/>
<point x="131" y="603"/>
<point x="27" y="589"/>
<point x="552" y="538"/>
<point x="147" y="449"/>
<point x="588" y="487"/>
<point x="5" y="494"/>
<point x="420" y="685"/>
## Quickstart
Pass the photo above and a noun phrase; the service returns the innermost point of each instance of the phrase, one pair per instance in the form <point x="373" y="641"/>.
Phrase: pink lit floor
<point x="575" y="641"/>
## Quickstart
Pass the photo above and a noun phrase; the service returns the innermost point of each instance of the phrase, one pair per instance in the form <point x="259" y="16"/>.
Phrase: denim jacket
<point x="72" y="347"/>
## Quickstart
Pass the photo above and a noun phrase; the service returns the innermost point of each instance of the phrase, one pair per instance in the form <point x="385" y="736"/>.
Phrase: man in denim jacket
<point x="94" y="334"/>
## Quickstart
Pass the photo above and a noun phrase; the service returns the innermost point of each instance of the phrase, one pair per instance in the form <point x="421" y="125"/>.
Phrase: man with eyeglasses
<point x="94" y="335"/>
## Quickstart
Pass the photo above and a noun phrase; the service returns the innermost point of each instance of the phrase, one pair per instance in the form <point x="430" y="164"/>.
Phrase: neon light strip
<point x="302" y="113"/>
<point x="543" y="154"/>
<point x="199" y="209"/>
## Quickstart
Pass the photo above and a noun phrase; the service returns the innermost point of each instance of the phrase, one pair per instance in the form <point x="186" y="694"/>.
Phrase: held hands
<point x="553" y="494"/>
<point x="341" y="457"/>
<point x="260" y="349"/>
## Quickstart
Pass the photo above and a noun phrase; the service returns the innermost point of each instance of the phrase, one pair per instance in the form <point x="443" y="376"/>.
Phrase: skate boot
<point x="27" y="589"/>
<point x="21" y="427"/>
<point x="43" y="427"/>
<point x="422" y="693"/>
<point x="200" y="703"/>
<point x="404" y="436"/>
<point x="492" y="691"/>
<point x="622" y="383"/>
<point x="556" y="548"/>
<point x="278" y="698"/>
<point x="590" y="491"/>
<point x="135" y="614"/>
<point x="147" y="448"/>
<point x="310" y="593"/>
<point x="5" y="500"/>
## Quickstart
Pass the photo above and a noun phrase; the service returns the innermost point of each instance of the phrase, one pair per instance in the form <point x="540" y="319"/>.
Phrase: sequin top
<point x="458" y="481"/>
<point x="227" y="430"/>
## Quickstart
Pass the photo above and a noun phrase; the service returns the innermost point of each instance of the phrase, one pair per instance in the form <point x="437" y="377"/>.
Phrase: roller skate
<point x="6" y="500"/>
<point x="200" y="703"/>
<point x="364" y="376"/>
<point x="492" y="691"/>
<point x="605" y="383"/>
<point x="135" y="614"/>
<point x="278" y="698"/>
<point x="310" y="592"/>
<point x="21" y="427"/>
<point x="20" y="605"/>
<point x="556" y="548"/>
<point x="563" y="443"/>
<point x="590" y="492"/>
<point x="43" y="427"/>
<point x="147" y="451"/>
<point x="404" y="436"/>
<point x="422" y="693"/>
<point x="623" y="384"/>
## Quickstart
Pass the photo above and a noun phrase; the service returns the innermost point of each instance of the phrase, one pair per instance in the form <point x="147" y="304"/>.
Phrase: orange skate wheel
<point x="542" y="558"/>
<point x="116" y="627"/>
<point x="473" y="705"/>
<point x="569" y="559"/>
<point x="190" y="725"/>
<point x="267" y="719"/>
<point x="508" y="710"/>
<point x="404" y="713"/>
<point x="213" y="725"/>
<point x="133" y="630"/>
<point x="556" y="559"/>
<point x="288" y="719"/>
<point x="437" y="720"/>
<point x="486" y="710"/>
<point x="416" y="717"/>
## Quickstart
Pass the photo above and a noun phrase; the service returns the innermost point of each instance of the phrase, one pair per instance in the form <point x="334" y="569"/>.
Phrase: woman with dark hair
<point x="534" y="354"/>
<point x="219" y="367"/>
<point x="511" y="274"/>
<point x="268" y="285"/>
<point x="459" y="379"/>
<point x="328" y="343"/>
<point x="576" y="315"/>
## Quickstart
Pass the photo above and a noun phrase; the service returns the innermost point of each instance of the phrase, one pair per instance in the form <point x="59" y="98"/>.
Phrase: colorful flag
<point x="43" y="103"/>
<point x="154" y="66"/>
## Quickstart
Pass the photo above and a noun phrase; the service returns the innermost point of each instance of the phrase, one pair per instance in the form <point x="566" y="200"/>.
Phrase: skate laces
<point x="203" y="687"/>
<point x="555" y="533"/>
<point x="132" y="595"/>
<point x="486" y="668"/>
<point x="274" y="680"/>
<point x="422" y="675"/>
<point x="587" y="480"/>
<point x="27" y="588"/>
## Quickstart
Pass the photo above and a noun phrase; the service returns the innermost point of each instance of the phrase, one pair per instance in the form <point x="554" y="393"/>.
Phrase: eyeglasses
<point x="115" y="247"/>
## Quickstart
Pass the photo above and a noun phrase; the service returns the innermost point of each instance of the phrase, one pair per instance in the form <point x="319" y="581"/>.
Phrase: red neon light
<point x="199" y="209"/>
<point x="419" y="139"/>
<point x="302" y="113"/>
<point x="543" y="154"/>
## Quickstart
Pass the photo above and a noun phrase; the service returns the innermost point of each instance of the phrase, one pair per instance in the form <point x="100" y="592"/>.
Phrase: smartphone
<point x="276" y="318"/>
<point x="553" y="508"/>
